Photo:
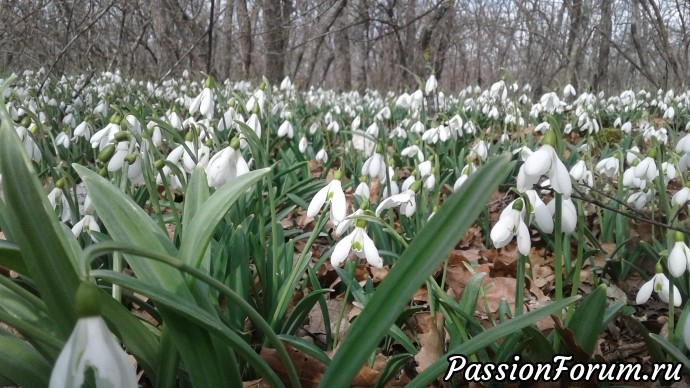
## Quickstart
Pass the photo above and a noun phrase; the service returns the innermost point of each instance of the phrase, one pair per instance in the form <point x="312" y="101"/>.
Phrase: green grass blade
<point x="36" y="230"/>
<point x="199" y="230"/>
<point x="419" y="260"/>
<point x="22" y="364"/>
<point x="193" y="314"/>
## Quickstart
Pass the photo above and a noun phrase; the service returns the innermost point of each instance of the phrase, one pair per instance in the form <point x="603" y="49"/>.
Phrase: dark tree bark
<point x="277" y="27"/>
<point x="245" y="36"/>
<point x="605" y="27"/>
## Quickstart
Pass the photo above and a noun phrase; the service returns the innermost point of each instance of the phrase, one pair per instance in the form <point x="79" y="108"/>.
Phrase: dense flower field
<point x="227" y="233"/>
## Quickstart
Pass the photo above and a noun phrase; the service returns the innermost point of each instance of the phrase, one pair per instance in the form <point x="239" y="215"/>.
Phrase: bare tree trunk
<point x="245" y="36"/>
<point x="427" y="33"/>
<point x="574" y="37"/>
<point x="223" y="58"/>
<point x="277" y="24"/>
<point x="359" y="16"/>
<point x="639" y="47"/>
<point x="605" y="27"/>
<point x="209" y="59"/>
<point x="329" y="18"/>
<point x="343" y="74"/>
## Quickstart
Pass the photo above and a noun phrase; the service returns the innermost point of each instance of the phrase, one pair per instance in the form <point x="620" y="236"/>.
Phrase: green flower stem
<point x="558" y="257"/>
<point x="351" y="267"/>
<point x="520" y="279"/>
<point x="580" y="253"/>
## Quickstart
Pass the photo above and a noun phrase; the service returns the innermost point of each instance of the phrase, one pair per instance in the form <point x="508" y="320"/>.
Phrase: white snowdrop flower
<point x="430" y="182"/>
<point x="92" y="346"/>
<point x="375" y="166"/>
<point x="504" y="138"/>
<point x="647" y="169"/>
<point x="627" y="127"/>
<point x="175" y="120"/>
<point x="431" y="84"/>
<point x="431" y="135"/>
<point x="101" y="138"/>
<point x="681" y="197"/>
<point x="670" y="113"/>
<point x="569" y="91"/>
<point x="661" y="285"/>
<point x="524" y="152"/>
<point x="632" y="155"/>
<point x="333" y="193"/>
<point x="417" y="127"/>
<point x="413" y="151"/>
<point x="408" y="182"/>
<point x="302" y="144"/>
<point x="425" y="169"/>
<point x="406" y="200"/>
<point x="225" y="165"/>
<point x="383" y="114"/>
<point x="403" y="101"/>
<point x="117" y="161"/>
<point x="56" y="195"/>
<point x="479" y="150"/>
<point x="679" y="258"/>
<point x="82" y="130"/>
<point x="347" y="222"/>
<point x="356" y="122"/>
<point x="638" y="199"/>
<point x="631" y="181"/>
<point x="511" y="224"/>
<point x="459" y="182"/>
<point x="333" y="127"/>
<point x="398" y="132"/>
<point x="201" y="154"/>
<point x="62" y="140"/>
<point x="203" y="104"/>
<point x="359" y="242"/>
<point x="363" y="190"/>
<point x="86" y="224"/>
<point x="540" y="213"/>
<point x="670" y="172"/>
<point x="568" y="214"/>
<point x="286" y="129"/>
<point x="545" y="161"/>
<point x="683" y="145"/>
<point x="322" y="156"/>
<point x="578" y="170"/>
<point x="542" y="127"/>
<point x="608" y="166"/>
<point x="286" y="84"/>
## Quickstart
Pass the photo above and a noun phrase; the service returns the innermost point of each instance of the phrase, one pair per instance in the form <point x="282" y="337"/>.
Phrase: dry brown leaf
<point x="309" y="369"/>
<point x="500" y="288"/>
<point x="432" y="343"/>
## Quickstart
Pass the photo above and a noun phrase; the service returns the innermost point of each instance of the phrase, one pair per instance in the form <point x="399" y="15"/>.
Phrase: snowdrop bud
<point x="302" y="144"/>
<point x="679" y="258"/>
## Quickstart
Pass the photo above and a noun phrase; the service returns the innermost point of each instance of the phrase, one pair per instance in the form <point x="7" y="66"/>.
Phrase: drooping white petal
<point x="645" y="292"/>
<point x="539" y="163"/>
<point x="370" y="251"/>
<point x="92" y="346"/>
<point x="341" y="250"/>
<point x="317" y="201"/>
<point x="677" y="260"/>
<point x="338" y="202"/>
<point x="523" y="239"/>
